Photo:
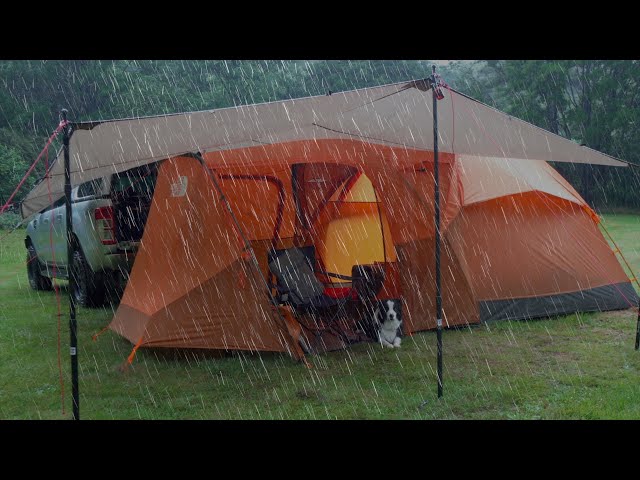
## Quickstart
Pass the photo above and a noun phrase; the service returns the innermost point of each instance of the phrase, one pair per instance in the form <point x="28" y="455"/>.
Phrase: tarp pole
<point x="638" y="330"/>
<point x="436" y="176"/>
<point x="73" y="324"/>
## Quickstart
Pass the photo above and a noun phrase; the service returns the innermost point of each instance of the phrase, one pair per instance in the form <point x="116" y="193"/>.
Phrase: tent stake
<point x="73" y="324"/>
<point x="436" y="176"/>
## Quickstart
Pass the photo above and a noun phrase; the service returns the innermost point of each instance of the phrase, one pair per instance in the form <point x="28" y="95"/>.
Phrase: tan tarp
<point x="397" y="115"/>
<point x="479" y="174"/>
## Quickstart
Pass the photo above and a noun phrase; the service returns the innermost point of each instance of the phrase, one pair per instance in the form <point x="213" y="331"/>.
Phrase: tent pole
<point x="73" y="324"/>
<point x="436" y="176"/>
<point x="247" y="244"/>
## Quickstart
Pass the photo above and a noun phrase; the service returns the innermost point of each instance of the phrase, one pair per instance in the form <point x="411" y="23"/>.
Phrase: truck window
<point x="135" y="182"/>
<point x="131" y="194"/>
<point x="90" y="188"/>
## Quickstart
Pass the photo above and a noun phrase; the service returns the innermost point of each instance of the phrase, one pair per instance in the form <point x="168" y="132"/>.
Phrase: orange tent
<point x="518" y="241"/>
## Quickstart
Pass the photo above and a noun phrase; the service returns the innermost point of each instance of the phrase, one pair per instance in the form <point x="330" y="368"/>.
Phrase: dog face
<point x="384" y="322"/>
<point x="391" y="318"/>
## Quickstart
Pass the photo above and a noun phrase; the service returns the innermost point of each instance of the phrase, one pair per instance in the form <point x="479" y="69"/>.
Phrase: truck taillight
<point x="106" y="225"/>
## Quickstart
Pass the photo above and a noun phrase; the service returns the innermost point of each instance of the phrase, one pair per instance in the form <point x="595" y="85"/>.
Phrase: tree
<point x="593" y="102"/>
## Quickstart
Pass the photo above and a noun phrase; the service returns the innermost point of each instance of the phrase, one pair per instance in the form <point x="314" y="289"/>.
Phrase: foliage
<point x="592" y="102"/>
<point x="10" y="220"/>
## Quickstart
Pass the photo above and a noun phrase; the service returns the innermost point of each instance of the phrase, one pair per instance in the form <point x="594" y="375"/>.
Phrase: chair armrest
<point x="335" y="275"/>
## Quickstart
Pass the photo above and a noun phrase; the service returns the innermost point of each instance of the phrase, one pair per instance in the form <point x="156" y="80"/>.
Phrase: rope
<point x="95" y="336"/>
<point x="634" y="277"/>
<point x="56" y="289"/>
<point x="453" y="120"/>
<point x="55" y="133"/>
<point x="9" y="233"/>
<point x="133" y="352"/>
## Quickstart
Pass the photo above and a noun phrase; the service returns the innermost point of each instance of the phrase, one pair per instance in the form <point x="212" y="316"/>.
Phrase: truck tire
<point x="37" y="281"/>
<point x="88" y="288"/>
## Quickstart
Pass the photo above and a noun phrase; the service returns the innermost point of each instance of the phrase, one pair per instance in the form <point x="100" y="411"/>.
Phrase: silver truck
<point x="109" y="215"/>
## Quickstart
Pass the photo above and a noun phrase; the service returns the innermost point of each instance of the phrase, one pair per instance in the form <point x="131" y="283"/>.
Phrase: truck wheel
<point x="36" y="280"/>
<point x="88" y="288"/>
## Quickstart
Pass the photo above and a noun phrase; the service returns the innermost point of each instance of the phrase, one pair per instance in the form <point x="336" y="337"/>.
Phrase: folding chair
<point x="296" y="281"/>
<point x="298" y="287"/>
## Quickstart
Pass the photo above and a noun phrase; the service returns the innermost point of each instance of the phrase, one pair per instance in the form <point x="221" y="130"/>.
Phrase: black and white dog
<point x="387" y="320"/>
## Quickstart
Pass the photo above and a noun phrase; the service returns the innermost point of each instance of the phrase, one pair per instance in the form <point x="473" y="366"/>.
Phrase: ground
<point x="574" y="367"/>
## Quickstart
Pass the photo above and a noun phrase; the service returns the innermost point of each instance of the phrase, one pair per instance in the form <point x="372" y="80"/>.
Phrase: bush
<point x="8" y="220"/>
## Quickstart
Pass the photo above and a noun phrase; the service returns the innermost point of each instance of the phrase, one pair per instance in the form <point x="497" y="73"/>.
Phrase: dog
<point x="387" y="320"/>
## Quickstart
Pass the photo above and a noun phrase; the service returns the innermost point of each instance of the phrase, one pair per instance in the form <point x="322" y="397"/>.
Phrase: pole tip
<point x="433" y="68"/>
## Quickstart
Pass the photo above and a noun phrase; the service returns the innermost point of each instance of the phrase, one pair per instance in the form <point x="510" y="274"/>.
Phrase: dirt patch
<point x="631" y="312"/>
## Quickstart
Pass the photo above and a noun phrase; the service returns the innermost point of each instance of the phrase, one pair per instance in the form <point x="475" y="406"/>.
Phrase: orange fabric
<point x="594" y="216"/>
<point x="317" y="184"/>
<point x="401" y="176"/>
<point x="255" y="196"/>
<point x="183" y="290"/>
<point x="391" y="287"/>
<point x="515" y="232"/>
<point x="417" y="275"/>
<point x="531" y="245"/>
<point x="407" y="197"/>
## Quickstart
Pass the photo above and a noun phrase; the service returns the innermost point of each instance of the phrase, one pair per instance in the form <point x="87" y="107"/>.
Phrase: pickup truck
<point x="109" y="215"/>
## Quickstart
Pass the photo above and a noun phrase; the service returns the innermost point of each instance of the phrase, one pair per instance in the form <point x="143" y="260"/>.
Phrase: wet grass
<point x="574" y="367"/>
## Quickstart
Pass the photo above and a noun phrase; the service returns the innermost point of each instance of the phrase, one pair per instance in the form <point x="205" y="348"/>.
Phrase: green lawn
<point x="574" y="367"/>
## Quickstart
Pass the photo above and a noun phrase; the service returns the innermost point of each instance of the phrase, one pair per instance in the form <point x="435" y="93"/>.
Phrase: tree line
<point x="592" y="102"/>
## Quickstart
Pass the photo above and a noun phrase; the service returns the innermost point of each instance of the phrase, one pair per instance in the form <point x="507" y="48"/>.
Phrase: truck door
<point x="40" y="237"/>
<point x="59" y="235"/>
<point x="47" y="227"/>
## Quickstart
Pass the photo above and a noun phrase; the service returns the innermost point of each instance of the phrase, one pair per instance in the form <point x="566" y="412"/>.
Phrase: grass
<point x="574" y="367"/>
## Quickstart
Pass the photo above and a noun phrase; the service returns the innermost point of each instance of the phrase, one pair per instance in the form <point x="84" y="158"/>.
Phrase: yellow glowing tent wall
<point x="348" y="230"/>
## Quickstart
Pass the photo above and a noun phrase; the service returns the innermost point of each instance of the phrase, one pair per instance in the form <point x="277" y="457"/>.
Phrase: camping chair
<point x="297" y="286"/>
<point x="296" y="282"/>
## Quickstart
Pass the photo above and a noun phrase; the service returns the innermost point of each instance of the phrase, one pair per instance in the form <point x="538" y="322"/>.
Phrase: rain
<point x="258" y="239"/>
